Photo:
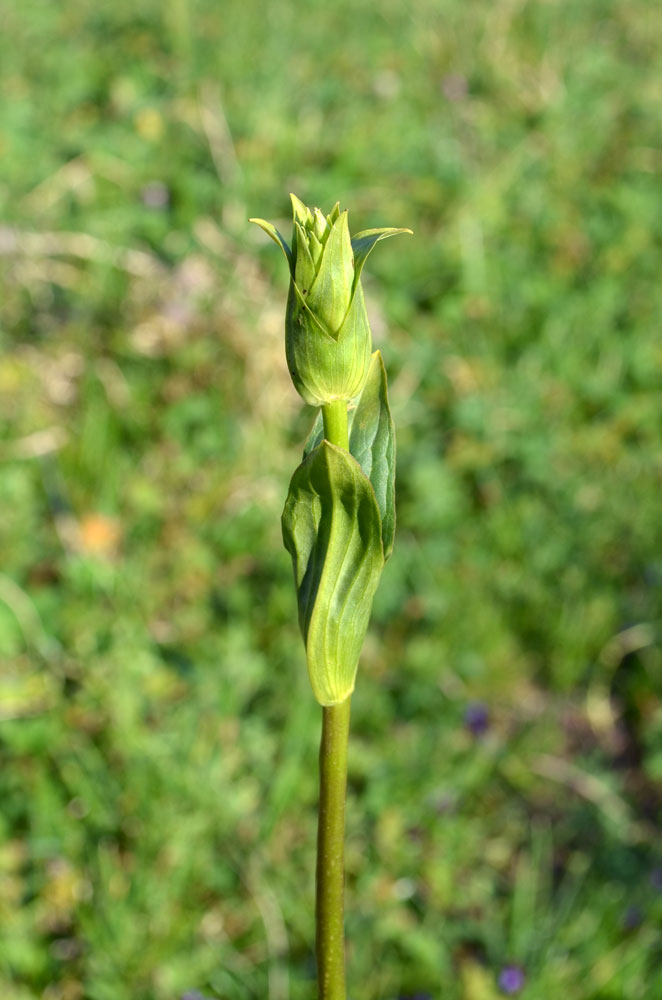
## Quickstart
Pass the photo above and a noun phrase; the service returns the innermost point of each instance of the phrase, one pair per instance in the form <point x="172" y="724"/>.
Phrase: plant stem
<point x="329" y="905"/>
<point x="330" y="938"/>
<point x="335" y="423"/>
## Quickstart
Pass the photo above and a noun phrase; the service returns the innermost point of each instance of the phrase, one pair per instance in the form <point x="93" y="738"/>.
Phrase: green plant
<point x="339" y="516"/>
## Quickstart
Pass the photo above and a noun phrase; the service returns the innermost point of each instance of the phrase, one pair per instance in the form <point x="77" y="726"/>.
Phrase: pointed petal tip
<point x="299" y="210"/>
<point x="334" y="213"/>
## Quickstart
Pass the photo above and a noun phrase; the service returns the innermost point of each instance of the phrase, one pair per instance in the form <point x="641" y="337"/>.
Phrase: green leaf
<point x="316" y="435"/>
<point x="372" y="443"/>
<point x="363" y="243"/>
<point x="332" y="530"/>
<point x="278" y="238"/>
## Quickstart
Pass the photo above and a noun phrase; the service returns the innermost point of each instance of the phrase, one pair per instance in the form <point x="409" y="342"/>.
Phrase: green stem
<point x="330" y="940"/>
<point x="329" y="906"/>
<point x="335" y="423"/>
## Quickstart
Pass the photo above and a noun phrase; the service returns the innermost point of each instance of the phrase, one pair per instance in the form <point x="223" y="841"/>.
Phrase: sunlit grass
<point x="158" y="803"/>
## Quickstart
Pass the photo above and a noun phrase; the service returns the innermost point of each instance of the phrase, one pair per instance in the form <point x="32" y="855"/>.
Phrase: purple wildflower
<point x="632" y="918"/>
<point x="156" y="195"/>
<point x="477" y="718"/>
<point x="511" y="979"/>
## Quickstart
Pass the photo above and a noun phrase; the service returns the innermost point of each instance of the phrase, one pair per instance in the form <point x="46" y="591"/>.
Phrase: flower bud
<point x="328" y="342"/>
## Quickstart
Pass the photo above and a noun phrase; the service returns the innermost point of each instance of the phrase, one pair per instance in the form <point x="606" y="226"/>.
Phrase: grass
<point x="157" y="734"/>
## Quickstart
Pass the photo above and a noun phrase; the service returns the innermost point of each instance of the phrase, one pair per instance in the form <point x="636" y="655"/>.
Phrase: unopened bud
<point x="328" y="342"/>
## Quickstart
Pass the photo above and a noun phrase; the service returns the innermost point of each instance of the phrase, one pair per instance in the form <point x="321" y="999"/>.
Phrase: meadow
<point x="158" y="737"/>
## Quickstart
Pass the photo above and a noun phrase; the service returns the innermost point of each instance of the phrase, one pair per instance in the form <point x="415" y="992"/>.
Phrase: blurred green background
<point x="158" y="738"/>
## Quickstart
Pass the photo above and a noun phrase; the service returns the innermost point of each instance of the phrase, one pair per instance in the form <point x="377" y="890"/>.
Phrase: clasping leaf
<point x="372" y="443"/>
<point x="332" y="529"/>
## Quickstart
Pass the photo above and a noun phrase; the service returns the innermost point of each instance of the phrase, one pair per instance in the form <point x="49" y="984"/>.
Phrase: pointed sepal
<point x="278" y="238"/>
<point x="364" y="242"/>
